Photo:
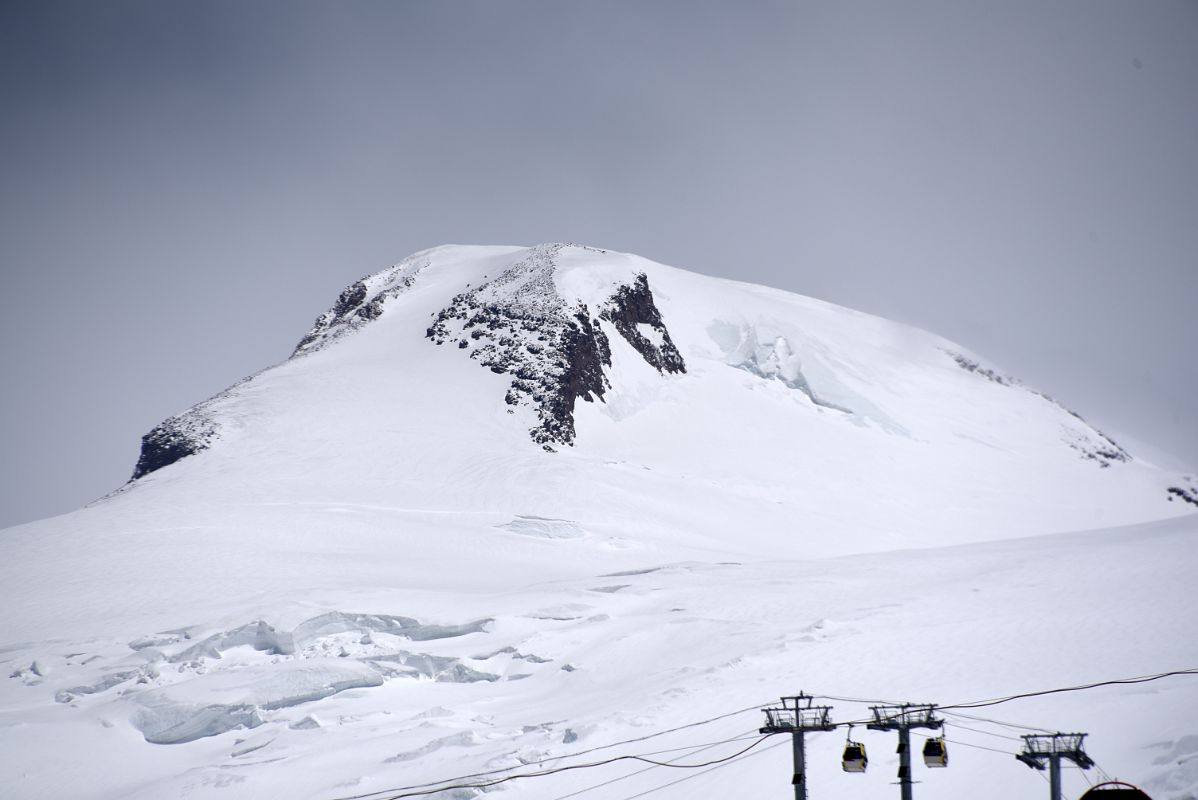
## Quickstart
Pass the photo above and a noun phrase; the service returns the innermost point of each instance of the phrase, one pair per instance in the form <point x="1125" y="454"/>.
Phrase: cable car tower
<point x="903" y="718"/>
<point x="1039" y="749"/>
<point x="796" y="716"/>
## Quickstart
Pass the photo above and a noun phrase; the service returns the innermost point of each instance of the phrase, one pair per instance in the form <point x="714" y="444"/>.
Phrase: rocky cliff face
<point x="172" y="439"/>
<point x="553" y="347"/>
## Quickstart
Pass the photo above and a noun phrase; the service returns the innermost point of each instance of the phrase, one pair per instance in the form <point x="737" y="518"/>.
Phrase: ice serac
<point x="553" y="347"/>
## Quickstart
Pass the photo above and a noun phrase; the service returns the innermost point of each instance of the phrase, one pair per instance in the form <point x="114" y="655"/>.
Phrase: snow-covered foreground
<point x="365" y="686"/>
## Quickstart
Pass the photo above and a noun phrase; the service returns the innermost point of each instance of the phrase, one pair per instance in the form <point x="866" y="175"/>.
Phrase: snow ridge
<point x="1091" y="443"/>
<point x="361" y="302"/>
<point x="197" y="428"/>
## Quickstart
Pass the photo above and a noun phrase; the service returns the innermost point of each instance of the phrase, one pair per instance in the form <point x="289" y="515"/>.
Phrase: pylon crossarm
<point x="906" y="716"/>
<point x="1031" y="761"/>
<point x="779" y="720"/>
<point x="786" y="720"/>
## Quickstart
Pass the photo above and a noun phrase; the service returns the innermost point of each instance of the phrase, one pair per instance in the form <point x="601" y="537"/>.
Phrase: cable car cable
<point x="856" y="700"/>
<point x="966" y="744"/>
<point x="554" y="770"/>
<point x="1009" y="698"/>
<point x="547" y="759"/>
<point x="642" y="770"/>
<point x="1011" y="725"/>
<point x="987" y="733"/>
<point x="1121" y="681"/>
<point x="704" y="772"/>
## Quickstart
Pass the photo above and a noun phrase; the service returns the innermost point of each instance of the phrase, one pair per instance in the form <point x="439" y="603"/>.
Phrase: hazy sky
<point x="185" y="186"/>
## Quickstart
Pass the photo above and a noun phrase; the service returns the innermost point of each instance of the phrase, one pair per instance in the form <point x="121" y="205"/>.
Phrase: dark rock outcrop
<point x="630" y="308"/>
<point x="1187" y="493"/>
<point x="163" y="446"/>
<point x="970" y="365"/>
<point x="178" y="437"/>
<point x="361" y="302"/>
<point x="1100" y="448"/>
<point x="555" y="349"/>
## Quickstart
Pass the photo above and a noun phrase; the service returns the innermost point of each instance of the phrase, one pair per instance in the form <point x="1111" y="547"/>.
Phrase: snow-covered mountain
<point x="508" y="503"/>
<point x="441" y="383"/>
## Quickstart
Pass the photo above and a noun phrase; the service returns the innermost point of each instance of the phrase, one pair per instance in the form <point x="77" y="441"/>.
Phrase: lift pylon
<point x="903" y="718"/>
<point x="797" y="716"/>
<point x="1041" y="750"/>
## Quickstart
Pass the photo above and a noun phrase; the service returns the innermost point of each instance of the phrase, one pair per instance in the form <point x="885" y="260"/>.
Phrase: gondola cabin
<point x="854" y="759"/>
<point x="935" y="753"/>
<point x="1114" y="790"/>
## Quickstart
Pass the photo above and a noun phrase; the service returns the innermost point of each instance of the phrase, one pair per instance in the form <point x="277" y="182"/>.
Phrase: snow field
<point x="374" y="578"/>
<point x="552" y="667"/>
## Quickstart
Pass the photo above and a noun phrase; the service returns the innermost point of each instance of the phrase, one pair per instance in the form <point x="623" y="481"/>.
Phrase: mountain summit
<point x="824" y="425"/>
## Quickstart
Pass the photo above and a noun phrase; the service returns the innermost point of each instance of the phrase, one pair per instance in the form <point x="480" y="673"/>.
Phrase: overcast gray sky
<point x="185" y="186"/>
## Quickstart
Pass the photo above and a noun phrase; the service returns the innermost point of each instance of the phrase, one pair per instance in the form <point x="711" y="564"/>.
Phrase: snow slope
<point x="509" y="503"/>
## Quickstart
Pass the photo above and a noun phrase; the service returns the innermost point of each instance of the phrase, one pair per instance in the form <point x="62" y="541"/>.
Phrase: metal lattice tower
<point x="903" y="718"/>
<point x="796" y="716"/>
<point x="1040" y="750"/>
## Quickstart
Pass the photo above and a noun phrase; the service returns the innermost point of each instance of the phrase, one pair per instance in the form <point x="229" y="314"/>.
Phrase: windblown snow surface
<point x="505" y="505"/>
